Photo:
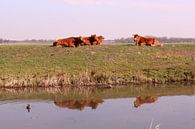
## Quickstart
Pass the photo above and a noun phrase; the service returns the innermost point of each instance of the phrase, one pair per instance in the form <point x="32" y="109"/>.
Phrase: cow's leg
<point x="71" y="45"/>
<point x="142" y="44"/>
<point x="59" y="46"/>
<point x="94" y="43"/>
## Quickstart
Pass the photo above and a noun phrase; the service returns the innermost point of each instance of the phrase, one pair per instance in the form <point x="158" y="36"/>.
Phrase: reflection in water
<point x="83" y="93"/>
<point x="116" y="112"/>
<point x="171" y="112"/>
<point x="144" y="100"/>
<point x="79" y="104"/>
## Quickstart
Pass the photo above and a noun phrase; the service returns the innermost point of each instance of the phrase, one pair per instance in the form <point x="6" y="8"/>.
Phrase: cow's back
<point x="66" y="42"/>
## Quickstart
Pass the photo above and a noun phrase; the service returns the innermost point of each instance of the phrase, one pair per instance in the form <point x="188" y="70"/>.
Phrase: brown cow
<point x="68" y="42"/>
<point x="100" y="39"/>
<point x="86" y="41"/>
<point x="92" y="40"/>
<point x="143" y="100"/>
<point x="148" y="41"/>
<point x="96" y="40"/>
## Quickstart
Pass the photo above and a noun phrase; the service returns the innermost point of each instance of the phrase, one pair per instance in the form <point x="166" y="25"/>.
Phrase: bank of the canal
<point x="42" y="65"/>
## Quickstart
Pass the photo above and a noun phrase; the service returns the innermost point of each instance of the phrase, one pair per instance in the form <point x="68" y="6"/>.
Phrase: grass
<point x="42" y="65"/>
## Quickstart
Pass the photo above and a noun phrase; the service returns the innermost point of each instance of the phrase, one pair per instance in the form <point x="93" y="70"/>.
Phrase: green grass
<point x="107" y="64"/>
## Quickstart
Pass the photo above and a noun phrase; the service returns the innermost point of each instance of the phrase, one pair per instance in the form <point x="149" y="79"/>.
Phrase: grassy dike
<point x="42" y="65"/>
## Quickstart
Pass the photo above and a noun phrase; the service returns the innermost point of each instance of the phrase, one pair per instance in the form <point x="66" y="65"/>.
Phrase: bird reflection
<point x="144" y="100"/>
<point x="79" y="104"/>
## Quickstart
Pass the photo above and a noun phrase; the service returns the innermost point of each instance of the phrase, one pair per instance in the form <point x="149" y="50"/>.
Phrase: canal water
<point x="169" y="107"/>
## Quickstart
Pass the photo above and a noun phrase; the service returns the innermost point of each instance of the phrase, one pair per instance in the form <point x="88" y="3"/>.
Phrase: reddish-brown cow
<point x="100" y="39"/>
<point x="96" y="40"/>
<point x="68" y="42"/>
<point x="148" y="41"/>
<point x="86" y="41"/>
<point x="92" y="40"/>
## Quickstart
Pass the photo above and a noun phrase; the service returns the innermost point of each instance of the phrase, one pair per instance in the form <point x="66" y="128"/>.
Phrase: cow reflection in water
<point x="144" y="100"/>
<point x="79" y="104"/>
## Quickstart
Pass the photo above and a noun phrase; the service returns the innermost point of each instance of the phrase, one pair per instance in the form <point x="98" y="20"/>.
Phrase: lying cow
<point x="148" y="41"/>
<point x="92" y="40"/>
<point x="68" y="42"/>
<point x="96" y="40"/>
<point x="86" y="41"/>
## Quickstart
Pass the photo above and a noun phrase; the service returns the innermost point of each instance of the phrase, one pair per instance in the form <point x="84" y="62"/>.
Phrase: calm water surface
<point x="113" y="112"/>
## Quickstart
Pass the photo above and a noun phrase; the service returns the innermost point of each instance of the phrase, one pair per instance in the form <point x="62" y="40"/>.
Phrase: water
<point x="172" y="108"/>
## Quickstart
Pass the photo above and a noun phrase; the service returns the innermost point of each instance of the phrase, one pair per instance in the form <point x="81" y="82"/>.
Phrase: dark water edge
<point x="100" y="92"/>
<point x="124" y="107"/>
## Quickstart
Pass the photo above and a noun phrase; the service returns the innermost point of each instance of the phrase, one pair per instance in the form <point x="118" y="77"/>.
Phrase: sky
<point x="52" y="19"/>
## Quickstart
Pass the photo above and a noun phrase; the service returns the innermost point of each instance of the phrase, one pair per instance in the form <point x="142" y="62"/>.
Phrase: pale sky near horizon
<point x="51" y="19"/>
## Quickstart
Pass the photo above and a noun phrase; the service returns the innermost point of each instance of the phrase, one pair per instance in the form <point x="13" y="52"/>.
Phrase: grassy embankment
<point x="41" y="65"/>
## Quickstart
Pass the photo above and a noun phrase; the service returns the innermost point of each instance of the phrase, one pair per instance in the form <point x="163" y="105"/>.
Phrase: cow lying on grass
<point x="96" y="40"/>
<point x="68" y="42"/>
<point x="148" y="41"/>
<point x="79" y="41"/>
<point x="93" y="40"/>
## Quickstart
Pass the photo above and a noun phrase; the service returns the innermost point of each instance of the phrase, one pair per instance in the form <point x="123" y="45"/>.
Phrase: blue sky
<point x="51" y="19"/>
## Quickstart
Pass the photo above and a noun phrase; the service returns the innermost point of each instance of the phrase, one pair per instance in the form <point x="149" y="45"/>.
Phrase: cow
<point x="148" y="41"/>
<point x="86" y="41"/>
<point x="143" y="100"/>
<point x="68" y="42"/>
<point x="99" y="40"/>
<point x="92" y="40"/>
<point x="96" y="40"/>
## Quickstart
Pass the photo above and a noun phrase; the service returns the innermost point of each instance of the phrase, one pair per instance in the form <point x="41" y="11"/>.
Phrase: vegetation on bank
<point x="90" y="93"/>
<point x="42" y="65"/>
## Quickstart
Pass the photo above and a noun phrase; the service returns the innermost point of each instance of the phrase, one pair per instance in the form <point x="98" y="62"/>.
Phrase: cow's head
<point x="136" y="38"/>
<point x="93" y="38"/>
<point x="78" y="41"/>
<point x="55" y="43"/>
<point x="101" y="38"/>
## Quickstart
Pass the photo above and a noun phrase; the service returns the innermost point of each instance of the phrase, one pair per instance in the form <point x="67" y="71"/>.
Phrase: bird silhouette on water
<point x="28" y="107"/>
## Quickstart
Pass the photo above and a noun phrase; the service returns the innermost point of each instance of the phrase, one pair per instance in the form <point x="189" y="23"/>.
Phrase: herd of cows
<point x="97" y="40"/>
<point x="79" y="41"/>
